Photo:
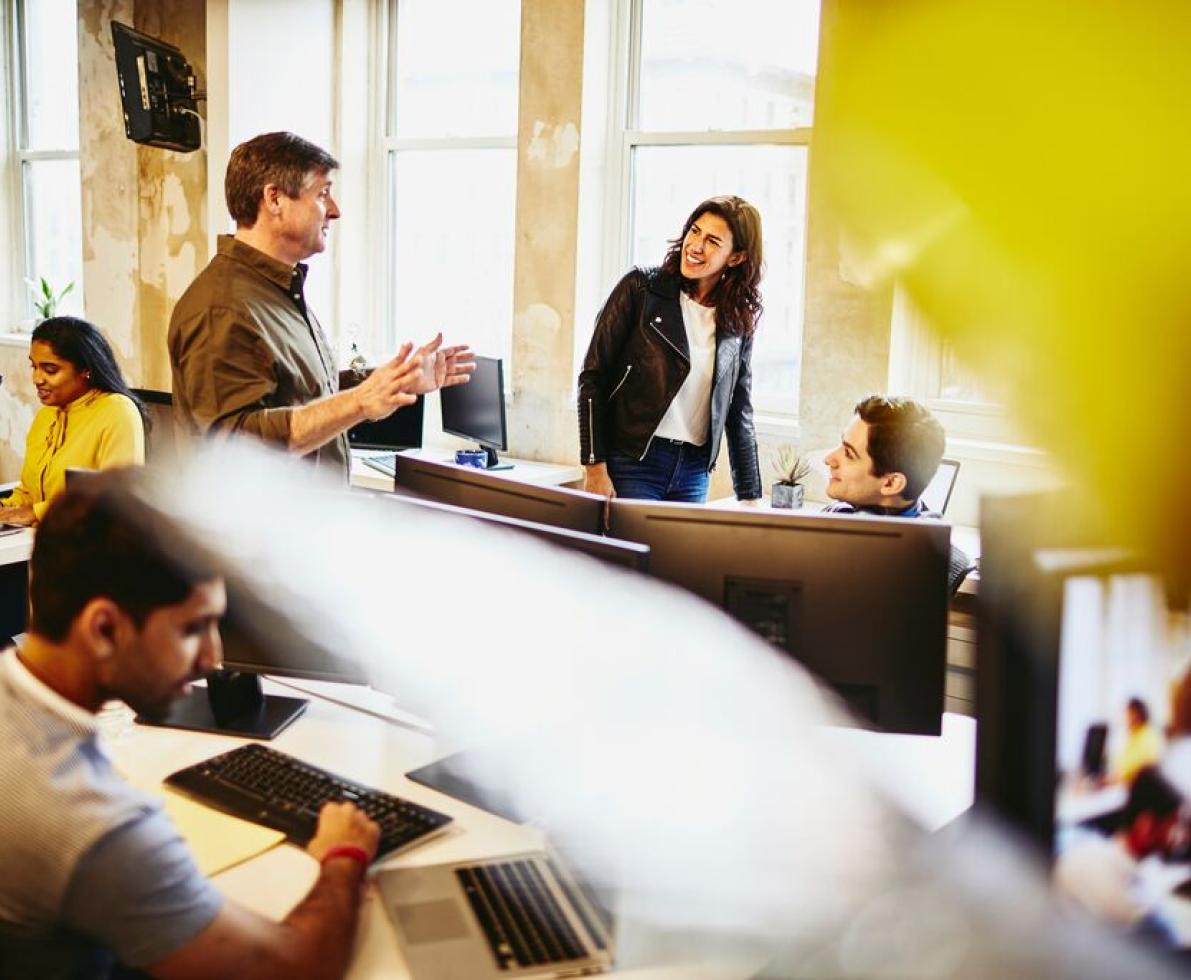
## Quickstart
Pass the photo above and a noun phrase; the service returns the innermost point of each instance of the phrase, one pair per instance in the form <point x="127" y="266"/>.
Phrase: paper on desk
<point x="217" y="841"/>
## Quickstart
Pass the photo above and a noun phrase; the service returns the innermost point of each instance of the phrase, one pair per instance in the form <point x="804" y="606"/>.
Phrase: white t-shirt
<point x="689" y="416"/>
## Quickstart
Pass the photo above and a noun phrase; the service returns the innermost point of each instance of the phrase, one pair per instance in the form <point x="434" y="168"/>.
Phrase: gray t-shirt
<point x="91" y="868"/>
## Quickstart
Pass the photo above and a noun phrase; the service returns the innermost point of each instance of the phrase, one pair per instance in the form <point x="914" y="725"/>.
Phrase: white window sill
<point x="771" y="424"/>
<point x="14" y="339"/>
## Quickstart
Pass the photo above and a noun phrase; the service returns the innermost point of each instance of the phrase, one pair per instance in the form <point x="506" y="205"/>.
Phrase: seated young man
<point x="888" y="454"/>
<point x="92" y="870"/>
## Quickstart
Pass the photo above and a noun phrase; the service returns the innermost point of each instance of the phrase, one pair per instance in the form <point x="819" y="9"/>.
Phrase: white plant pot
<point x="787" y="496"/>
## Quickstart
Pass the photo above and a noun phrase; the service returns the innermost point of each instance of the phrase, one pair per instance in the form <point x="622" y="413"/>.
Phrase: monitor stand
<point x="494" y="462"/>
<point x="232" y="703"/>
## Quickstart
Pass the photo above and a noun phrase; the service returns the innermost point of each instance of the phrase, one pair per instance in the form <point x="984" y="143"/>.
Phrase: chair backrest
<point x="959" y="567"/>
<point x="161" y="441"/>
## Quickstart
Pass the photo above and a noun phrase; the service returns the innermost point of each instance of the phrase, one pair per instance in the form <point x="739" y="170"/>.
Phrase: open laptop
<point x="471" y="918"/>
<point x="937" y="494"/>
<point x="382" y="440"/>
<point x="524" y="915"/>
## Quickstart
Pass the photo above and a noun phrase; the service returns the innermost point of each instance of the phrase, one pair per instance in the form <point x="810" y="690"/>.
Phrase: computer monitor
<point x="860" y="601"/>
<point x="476" y="410"/>
<point x="1070" y="631"/>
<point x="465" y="486"/>
<point x="157" y="91"/>
<point x="1031" y="553"/>
<point x="622" y="554"/>
<point x="401" y="430"/>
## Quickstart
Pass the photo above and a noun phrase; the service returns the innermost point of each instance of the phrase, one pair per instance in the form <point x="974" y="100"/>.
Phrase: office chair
<point x="959" y="567"/>
<point x="161" y="439"/>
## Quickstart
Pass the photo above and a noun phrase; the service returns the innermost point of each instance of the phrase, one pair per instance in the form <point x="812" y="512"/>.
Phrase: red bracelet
<point x="348" y="851"/>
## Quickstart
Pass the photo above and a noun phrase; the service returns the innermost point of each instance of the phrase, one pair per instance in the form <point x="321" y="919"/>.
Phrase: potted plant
<point x="790" y="470"/>
<point x="45" y="299"/>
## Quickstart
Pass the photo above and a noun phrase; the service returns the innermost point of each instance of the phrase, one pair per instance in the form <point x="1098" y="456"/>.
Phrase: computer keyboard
<point x="271" y="788"/>
<point x="521" y="920"/>
<point x="386" y="463"/>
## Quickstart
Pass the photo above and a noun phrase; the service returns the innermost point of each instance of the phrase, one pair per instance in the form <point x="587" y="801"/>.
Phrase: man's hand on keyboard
<point x="343" y="823"/>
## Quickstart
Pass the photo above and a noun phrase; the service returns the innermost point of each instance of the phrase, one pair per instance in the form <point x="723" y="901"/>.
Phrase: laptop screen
<point x="401" y="430"/>
<point x="937" y="494"/>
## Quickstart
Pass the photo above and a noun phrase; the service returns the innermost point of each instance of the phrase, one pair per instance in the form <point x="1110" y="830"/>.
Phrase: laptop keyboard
<point x="522" y="922"/>
<point x="386" y="463"/>
<point x="271" y="788"/>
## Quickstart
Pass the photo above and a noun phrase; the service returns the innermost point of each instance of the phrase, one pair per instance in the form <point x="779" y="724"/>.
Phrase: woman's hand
<point x="597" y="480"/>
<point x="17" y="515"/>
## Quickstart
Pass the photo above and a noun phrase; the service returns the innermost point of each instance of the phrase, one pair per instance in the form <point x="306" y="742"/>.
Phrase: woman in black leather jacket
<point x="668" y="369"/>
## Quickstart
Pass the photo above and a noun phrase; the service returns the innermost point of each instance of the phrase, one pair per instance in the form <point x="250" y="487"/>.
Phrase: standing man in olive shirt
<point x="248" y="355"/>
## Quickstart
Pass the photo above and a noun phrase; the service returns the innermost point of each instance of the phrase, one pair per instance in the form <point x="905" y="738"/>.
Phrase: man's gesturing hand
<point x="441" y="366"/>
<point x="390" y="386"/>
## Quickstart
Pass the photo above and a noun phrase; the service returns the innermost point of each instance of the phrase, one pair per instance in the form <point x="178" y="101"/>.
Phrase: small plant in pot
<point x="45" y="298"/>
<point x="791" y="470"/>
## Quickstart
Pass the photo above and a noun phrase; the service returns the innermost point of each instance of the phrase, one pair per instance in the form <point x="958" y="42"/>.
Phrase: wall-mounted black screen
<point x="157" y="91"/>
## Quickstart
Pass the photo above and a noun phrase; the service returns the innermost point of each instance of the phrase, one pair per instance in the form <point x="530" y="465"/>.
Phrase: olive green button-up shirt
<point x="246" y="351"/>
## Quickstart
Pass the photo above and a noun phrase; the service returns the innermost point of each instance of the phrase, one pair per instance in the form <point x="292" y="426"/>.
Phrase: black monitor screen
<point x="401" y="430"/>
<point x="476" y="410"/>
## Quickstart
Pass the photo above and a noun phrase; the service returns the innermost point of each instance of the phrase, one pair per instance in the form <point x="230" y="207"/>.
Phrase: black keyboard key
<point x="522" y="921"/>
<point x="502" y="944"/>
<point x="559" y="930"/>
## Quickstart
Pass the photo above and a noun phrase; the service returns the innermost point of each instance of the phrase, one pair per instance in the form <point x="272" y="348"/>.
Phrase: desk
<point x="365" y="748"/>
<point x="15" y="549"/>
<point x="525" y="470"/>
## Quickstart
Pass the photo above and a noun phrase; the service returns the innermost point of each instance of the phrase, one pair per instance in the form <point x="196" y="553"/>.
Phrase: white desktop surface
<point x="367" y="749"/>
<point x="525" y="470"/>
<point x="16" y="547"/>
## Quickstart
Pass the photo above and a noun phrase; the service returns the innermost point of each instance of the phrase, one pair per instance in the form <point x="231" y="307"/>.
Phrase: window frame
<point x="20" y="156"/>
<point x="389" y="146"/>
<point x="625" y="136"/>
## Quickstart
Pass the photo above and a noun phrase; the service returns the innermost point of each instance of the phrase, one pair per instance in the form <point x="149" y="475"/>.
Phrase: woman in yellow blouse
<point x="89" y="419"/>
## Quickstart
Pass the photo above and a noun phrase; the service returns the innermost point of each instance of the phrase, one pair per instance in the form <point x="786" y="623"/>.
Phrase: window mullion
<point x="716" y="137"/>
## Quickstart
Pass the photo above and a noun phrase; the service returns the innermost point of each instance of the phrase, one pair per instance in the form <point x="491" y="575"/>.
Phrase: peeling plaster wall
<point x="144" y="214"/>
<point x="542" y="417"/>
<point x="144" y="209"/>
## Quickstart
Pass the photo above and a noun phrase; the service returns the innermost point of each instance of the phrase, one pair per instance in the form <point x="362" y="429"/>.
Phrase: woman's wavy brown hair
<point x="736" y="298"/>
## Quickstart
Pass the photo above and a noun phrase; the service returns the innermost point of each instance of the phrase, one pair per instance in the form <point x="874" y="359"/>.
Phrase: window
<point x="49" y="216"/>
<point x="720" y="100"/>
<point x="928" y="367"/>
<point x="451" y="170"/>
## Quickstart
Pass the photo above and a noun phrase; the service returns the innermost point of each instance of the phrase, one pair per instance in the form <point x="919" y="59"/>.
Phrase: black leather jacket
<point x="638" y="359"/>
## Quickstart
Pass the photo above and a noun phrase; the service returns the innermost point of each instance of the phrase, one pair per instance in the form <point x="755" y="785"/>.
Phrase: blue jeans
<point x="670" y="471"/>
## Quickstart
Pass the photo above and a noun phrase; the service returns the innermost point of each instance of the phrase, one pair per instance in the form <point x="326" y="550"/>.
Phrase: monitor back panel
<point x="628" y="555"/>
<point x="861" y="602"/>
<point x="463" y="486"/>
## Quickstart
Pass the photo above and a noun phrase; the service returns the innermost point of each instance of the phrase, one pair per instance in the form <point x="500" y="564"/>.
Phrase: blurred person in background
<point x="1143" y="743"/>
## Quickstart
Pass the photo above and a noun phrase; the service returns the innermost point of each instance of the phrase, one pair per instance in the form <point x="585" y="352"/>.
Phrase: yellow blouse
<point x="96" y="431"/>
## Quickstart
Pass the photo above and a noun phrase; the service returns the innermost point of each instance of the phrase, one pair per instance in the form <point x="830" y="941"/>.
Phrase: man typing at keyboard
<point x="92" y="872"/>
